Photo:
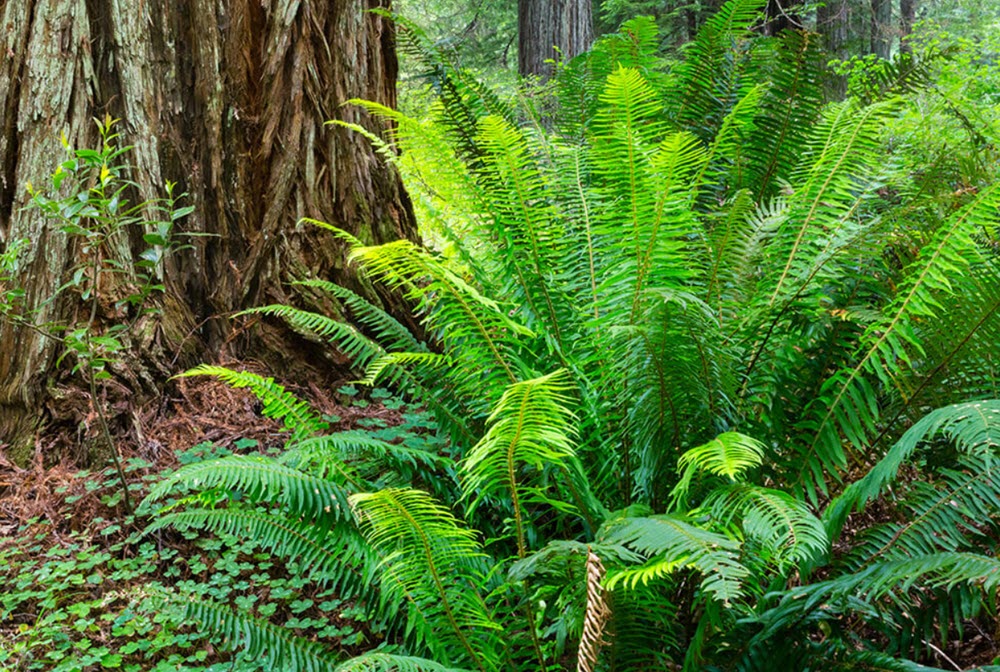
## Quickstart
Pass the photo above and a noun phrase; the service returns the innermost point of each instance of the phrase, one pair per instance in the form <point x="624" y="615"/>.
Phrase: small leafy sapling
<point x="96" y="213"/>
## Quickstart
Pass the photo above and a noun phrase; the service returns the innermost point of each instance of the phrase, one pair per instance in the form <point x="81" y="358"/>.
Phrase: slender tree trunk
<point x="881" y="27"/>
<point x="226" y="97"/>
<point x="552" y="30"/>
<point x="832" y="21"/>
<point x="907" y="16"/>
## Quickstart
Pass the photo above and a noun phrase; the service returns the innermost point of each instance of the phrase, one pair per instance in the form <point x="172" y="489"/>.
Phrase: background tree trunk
<point x="832" y="21"/>
<point x="907" y="15"/>
<point x="545" y="26"/>
<point x="226" y="97"/>
<point x="881" y="27"/>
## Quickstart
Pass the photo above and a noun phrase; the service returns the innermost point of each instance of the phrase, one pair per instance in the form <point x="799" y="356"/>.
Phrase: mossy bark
<point x="226" y="97"/>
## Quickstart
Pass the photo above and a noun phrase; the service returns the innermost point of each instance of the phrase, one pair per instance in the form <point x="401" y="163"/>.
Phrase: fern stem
<point x="587" y="228"/>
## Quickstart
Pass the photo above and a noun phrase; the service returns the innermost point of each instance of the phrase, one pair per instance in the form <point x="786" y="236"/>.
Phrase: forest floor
<point x="63" y="527"/>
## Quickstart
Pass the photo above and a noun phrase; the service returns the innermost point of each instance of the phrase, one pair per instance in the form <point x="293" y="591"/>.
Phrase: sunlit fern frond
<point x="531" y="237"/>
<point x="579" y="83"/>
<point x="477" y="333"/>
<point x="278" y="403"/>
<point x="646" y="178"/>
<point x="729" y="455"/>
<point x="530" y="427"/>
<point x="437" y="570"/>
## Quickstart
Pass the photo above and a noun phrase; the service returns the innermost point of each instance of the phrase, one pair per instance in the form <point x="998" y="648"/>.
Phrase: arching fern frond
<point x="359" y="348"/>
<point x="390" y="366"/>
<point x="973" y="428"/>
<point x="389" y="333"/>
<point x="377" y="661"/>
<point x="278" y="402"/>
<point x="673" y="542"/>
<point x="339" y="558"/>
<point x="774" y="519"/>
<point x="847" y="402"/>
<point x="730" y="455"/>
<point x="262" y="479"/>
<point x="260" y="640"/>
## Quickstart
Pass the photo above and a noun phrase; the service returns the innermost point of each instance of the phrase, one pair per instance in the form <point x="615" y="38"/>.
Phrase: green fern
<point x="278" y="402"/>
<point x="529" y="427"/>
<point x="437" y="569"/>
<point x="259" y="640"/>
<point x="261" y="479"/>
<point x="673" y="542"/>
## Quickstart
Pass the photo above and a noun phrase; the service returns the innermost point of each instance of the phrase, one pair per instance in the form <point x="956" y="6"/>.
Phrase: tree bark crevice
<point x="228" y="99"/>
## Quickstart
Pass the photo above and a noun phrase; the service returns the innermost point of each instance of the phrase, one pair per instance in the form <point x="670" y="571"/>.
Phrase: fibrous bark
<point x="226" y="97"/>
<point x="552" y="30"/>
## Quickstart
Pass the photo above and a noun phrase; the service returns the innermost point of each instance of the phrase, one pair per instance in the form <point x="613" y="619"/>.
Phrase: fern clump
<point x="676" y="334"/>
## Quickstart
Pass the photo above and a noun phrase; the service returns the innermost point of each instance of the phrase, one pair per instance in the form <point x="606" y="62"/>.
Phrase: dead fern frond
<point x="596" y="618"/>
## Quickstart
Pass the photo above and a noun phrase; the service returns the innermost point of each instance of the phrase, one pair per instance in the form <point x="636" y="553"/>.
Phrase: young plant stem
<point x="91" y="380"/>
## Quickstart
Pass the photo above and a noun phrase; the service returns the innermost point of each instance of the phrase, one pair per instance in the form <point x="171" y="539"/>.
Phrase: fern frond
<point x="377" y="661"/>
<point x="696" y="98"/>
<point x="262" y="479"/>
<point x="476" y="330"/>
<point x="389" y="333"/>
<point x="530" y="426"/>
<point x="438" y="569"/>
<point x="260" y="640"/>
<point x="339" y="558"/>
<point x="673" y="542"/>
<point x="390" y="366"/>
<point x="278" y="402"/>
<point x="953" y="513"/>
<point x="730" y="454"/>
<point x="973" y="428"/>
<point x="779" y="522"/>
<point x="847" y="402"/>
<point x="358" y="348"/>
<point x="788" y="110"/>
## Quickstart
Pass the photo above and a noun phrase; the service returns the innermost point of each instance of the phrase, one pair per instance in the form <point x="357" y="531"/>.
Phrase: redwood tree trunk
<point x="552" y="30"/>
<point x="226" y="97"/>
